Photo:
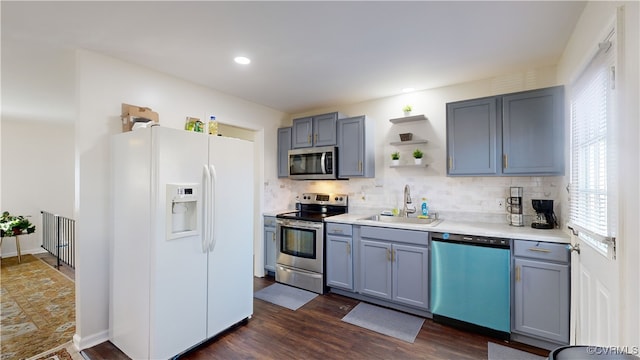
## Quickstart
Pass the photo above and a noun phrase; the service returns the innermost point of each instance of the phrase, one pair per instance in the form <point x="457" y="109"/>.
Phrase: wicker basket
<point x="406" y="137"/>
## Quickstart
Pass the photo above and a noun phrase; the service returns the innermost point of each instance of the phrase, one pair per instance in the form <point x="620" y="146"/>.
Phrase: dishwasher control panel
<point x="472" y="239"/>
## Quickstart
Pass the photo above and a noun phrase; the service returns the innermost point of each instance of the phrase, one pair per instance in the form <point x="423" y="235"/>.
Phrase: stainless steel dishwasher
<point x="470" y="283"/>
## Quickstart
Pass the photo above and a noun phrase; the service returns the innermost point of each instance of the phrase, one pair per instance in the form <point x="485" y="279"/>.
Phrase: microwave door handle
<point x="323" y="159"/>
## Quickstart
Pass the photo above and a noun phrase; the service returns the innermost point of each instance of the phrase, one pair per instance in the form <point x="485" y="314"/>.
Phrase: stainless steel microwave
<point x="317" y="163"/>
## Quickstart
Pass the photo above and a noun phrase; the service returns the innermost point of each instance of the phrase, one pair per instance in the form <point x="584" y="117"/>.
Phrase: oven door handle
<point x="307" y="225"/>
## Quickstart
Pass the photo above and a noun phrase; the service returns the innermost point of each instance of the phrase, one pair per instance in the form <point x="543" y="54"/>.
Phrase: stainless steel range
<point x="300" y="240"/>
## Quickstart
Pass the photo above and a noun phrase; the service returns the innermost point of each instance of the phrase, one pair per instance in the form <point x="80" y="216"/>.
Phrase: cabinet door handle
<point x="393" y="255"/>
<point x="360" y="166"/>
<point x="540" y="250"/>
<point x="388" y="255"/>
<point x="316" y="138"/>
<point x="517" y="273"/>
<point x="337" y="231"/>
<point x="273" y="236"/>
<point x="348" y="248"/>
<point x="505" y="161"/>
<point x="450" y="162"/>
<point x="309" y="138"/>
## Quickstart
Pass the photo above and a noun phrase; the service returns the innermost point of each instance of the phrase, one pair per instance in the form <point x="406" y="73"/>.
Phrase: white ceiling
<point x="305" y="55"/>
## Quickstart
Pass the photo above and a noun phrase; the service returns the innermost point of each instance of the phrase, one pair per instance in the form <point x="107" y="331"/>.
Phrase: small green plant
<point x="395" y="156"/>
<point x="407" y="108"/>
<point x="417" y="154"/>
<point x="11" y="225"/>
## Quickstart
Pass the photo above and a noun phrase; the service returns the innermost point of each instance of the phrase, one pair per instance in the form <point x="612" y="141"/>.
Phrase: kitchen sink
<point x="402" y="220"/>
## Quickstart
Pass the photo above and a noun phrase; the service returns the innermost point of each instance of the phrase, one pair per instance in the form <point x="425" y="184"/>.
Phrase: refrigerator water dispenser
<point x="183" y="208"/>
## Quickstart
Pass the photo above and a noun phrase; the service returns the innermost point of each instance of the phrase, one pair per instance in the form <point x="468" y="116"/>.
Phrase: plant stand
<point x="17" y="245"/>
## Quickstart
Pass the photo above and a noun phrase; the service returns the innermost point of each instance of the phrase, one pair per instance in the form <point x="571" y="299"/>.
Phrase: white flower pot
<point x="418" y="161"/>
<point x="395" y="162"/>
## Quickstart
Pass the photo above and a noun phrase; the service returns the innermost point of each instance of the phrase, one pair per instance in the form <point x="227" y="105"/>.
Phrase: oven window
<point x="298" y="242"/>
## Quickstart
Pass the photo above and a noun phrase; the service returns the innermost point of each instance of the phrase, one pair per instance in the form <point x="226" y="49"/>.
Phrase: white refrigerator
<point x="182" y="242"/>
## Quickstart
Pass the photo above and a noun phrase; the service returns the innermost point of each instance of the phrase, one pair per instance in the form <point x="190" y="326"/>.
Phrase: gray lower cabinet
<point x="541" y="293"/>
<point x="284" y="145"/>
<point x="270" y="244"/>
<point x="356" y="152"/>
<point x="339" y="243"/>
<point x="394" y="265"/>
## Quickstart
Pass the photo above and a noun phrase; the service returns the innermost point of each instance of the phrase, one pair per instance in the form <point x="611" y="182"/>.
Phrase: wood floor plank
<point x="316" y="331"/>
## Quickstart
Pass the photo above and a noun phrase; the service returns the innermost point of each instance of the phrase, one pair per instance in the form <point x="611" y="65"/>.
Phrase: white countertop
<point x="464" y="228"/>
<point x="276" y="212"/>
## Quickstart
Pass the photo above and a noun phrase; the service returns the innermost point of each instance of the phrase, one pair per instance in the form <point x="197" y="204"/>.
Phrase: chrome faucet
<point x="406" y="209"/>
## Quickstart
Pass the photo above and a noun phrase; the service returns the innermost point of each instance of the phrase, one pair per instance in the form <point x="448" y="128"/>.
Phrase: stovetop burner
<point x="316" y="207"/>
<point x="307" y="215"/>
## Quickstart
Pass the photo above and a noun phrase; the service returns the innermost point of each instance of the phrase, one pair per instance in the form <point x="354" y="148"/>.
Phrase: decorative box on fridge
<point x="132" y="114"/>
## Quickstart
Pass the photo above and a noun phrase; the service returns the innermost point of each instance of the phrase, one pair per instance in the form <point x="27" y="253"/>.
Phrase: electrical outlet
<point x="500" y="203"/>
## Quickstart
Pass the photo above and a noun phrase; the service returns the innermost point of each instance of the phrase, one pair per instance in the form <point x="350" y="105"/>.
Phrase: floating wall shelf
<point x="409" y="165"/>
<point x="410" y="142"/>
<point x="408" y="119"/>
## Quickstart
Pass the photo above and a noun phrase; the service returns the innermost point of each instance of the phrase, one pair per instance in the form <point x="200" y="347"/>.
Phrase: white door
<point x="230" y="266"/>
<point x="595" y="296"/>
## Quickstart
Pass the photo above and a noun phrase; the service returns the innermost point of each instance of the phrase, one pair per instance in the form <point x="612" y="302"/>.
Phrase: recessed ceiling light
<point x="242" y="60"/>
<point x="407" y="90"/>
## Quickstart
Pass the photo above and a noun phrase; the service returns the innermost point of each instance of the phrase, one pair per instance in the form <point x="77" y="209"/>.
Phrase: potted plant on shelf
<point x="11" y="225"/>
<point x="407" y="110"/>
<point x="395" y="158"/>
<point x="417" y="156"/>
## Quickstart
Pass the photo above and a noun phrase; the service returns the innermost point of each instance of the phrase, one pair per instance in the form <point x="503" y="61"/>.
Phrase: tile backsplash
<point x="454" y="198"/>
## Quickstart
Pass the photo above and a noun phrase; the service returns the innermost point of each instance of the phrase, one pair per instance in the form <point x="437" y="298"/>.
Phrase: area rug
<point x="37" y="308"/>
<point x="285" y="296"/>
<point x="65" y="351"/>
<point x="499" y="352"/>
<point x="385" y="321"/>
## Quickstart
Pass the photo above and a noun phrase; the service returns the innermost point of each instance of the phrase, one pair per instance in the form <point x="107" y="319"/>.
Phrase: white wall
<point x="104" y="83"/>
<point x="37" y="174"/>
<point x="465" y="198"/>
<point x="582" y="45"/>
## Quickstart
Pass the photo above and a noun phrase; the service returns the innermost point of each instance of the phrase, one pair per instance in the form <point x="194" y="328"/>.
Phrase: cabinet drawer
<point x="541" y="250"/>
<point x="395" y="235"/>
<point x="339" y="229"/>
<point x="270" y="221"/>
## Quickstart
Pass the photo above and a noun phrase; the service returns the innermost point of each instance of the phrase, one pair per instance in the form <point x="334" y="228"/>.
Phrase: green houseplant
<point x="417" y="156"/>
<point x="12" y="225"/>
<point x="407" y="110"/>
<point x="395" y="158"/>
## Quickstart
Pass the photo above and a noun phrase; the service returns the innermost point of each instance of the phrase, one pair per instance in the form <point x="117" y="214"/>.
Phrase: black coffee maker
<point x="545" y="218"/>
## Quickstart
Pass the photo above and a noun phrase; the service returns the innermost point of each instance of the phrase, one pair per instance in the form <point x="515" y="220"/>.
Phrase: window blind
<point x="593" y="204"/>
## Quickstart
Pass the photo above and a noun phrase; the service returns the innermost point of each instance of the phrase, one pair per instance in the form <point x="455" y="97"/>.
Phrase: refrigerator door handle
<point x="205" y="209"/>
<point x="212" y="208"/>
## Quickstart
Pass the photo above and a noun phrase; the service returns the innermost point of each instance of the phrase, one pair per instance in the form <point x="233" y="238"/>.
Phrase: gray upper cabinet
<point x="533" y="132"/>
<point x="284" y="145"/>
<point x="513" y="134"/>
<point x="356" y="153"/>
<point x="318" y="130"/>
<point x="473" y="144"/>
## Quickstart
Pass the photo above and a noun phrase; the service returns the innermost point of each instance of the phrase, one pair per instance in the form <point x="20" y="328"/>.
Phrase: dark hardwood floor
<point x="315" y="331"/>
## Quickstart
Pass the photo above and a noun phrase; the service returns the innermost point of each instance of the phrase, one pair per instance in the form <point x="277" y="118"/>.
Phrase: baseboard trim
<point x="86" y="342"/>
